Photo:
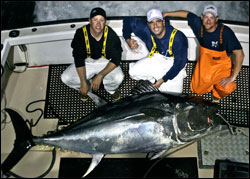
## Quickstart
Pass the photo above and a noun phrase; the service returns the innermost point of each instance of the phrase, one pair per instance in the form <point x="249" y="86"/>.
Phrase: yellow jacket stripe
<point x="88" y="45"/>
<point x="170" y="45"/>
<point x="171" y="41"/>
<point x="104" y="42"/>
<point x="86" y="37"/>
<point x="153" y="48"/>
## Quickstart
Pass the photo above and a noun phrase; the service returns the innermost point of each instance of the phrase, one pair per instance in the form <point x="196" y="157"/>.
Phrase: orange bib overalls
<point x="210" y="69"/>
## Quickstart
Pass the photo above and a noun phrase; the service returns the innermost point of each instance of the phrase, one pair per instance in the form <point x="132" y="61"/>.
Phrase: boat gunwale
<point x="56" y="22"/>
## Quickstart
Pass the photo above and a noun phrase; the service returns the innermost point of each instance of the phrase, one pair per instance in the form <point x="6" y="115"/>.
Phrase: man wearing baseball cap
<point x="167" y="46"/>
<point x="214" y="70"/>
<point x="97" y="54"/>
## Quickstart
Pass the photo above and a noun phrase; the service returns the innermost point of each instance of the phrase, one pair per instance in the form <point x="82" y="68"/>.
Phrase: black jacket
<point x="113" y="47"/>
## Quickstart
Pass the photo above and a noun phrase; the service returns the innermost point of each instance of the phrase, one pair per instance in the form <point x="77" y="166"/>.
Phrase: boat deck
<point x="31" y="85"/>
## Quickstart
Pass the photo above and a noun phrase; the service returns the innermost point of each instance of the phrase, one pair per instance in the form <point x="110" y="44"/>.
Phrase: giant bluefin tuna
<point x="145" y="121"/>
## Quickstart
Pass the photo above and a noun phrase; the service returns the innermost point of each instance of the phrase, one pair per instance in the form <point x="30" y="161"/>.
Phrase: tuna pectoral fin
<point x="160" y="154"/>
<point x="95" y="161"/>
<point x="22" y="143"/>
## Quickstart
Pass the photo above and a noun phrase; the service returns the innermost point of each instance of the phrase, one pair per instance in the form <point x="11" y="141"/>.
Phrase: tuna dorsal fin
<point x="98" y="101"/>
<point x="95" y="161"/>
<point x="143" y="86"/>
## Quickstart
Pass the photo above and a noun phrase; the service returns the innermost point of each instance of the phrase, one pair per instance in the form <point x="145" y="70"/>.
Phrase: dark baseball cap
<point x="97" y="11"/>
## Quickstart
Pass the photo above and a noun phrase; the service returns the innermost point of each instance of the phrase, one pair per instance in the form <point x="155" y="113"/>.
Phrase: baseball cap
<point x="97" y="11"/>
<point x="211" y="9"/>
<point x="154" y="14"/>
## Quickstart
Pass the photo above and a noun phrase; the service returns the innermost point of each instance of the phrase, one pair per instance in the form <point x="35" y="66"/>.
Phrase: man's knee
<point x="114" y="78"/>
<point x="175" y="87"/>
<point x="225" y="91"/>
<point x="132" y="71"/>
<point x="65" y="78"/>
<point x="118" y="78"/>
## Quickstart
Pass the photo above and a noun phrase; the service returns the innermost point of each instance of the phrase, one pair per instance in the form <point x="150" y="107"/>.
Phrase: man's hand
<point x="132" y="44"/>
<point x="84" y="89"/>
<point x="96" y="82"/>
<point x="158" y="83"/>
<point x="225" y="81"/>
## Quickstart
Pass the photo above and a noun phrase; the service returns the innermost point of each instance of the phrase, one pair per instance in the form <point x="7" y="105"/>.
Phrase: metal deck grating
<point x="64" y="103"/>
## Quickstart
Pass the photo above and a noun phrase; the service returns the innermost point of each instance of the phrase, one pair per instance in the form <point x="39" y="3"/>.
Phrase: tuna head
<point x="196" y="118"/>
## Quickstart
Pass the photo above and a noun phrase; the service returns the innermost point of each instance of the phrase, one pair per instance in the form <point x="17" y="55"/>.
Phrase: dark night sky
<point x="16" y="14"/>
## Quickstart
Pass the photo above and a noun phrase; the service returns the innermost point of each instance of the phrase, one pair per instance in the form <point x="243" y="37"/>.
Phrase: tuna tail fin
<point x="22" y="143"/>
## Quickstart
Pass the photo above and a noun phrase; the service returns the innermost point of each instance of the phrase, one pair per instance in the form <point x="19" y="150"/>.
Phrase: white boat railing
<point x="50" y="44"/>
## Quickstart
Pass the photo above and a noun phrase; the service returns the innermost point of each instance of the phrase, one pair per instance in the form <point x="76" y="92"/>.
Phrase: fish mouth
<point x="199" y="123"/>
<point x="215" y="120"/>
<point x="209" y="121"/>
<point x="195" y="129"/>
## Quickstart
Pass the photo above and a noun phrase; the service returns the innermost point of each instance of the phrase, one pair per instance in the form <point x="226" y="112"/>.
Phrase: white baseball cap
<point x="210" y="9"/>
<point x="154" y="14"/>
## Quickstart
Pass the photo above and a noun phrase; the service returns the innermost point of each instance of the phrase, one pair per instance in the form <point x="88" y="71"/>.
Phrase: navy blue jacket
<point x="139" y="27"/>
<point x="211" y="40"/>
